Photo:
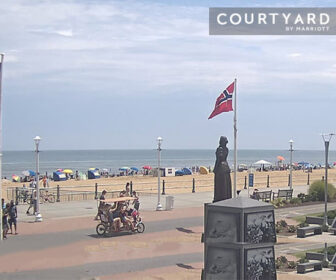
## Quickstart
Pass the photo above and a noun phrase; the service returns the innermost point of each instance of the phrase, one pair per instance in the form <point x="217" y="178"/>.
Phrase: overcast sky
<point x="118" y="74"/>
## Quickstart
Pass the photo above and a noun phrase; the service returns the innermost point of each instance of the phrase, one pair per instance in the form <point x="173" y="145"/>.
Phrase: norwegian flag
<point x="224" y="101"/>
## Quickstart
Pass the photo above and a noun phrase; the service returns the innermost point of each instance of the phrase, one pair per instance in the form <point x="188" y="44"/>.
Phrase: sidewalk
<point x="148" y="202"/>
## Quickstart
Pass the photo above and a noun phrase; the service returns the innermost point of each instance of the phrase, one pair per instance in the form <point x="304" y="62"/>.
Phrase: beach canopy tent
<point x="93" y="168"/>
<point x="179" y="173"/>
<point x="28" y="173"/>
<point x="262" y="162"/>
<point x="203" y="170"/>
<point x="67" y="171"/>
<point x="134" y="169"/>
<point x="59" y="176"/>
<point x="93" y="173"/>
<point x="186" y="171"/>
<point x="303" y="163"/>
<point x="125" y="168"/>
<point x="280" y="158"/>
<point x="15" y="178"/>
<point x="147" y="167"/>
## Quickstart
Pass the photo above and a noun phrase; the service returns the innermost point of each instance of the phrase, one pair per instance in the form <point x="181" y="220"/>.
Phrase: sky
<point x="118" y="74"/>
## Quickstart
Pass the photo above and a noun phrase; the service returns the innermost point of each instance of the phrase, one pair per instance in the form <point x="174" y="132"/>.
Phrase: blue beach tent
<point x="179" y="173"/>
<point x="93" y="174"/>
<point x="59" y="176"/>
<point x="186" y="171"/>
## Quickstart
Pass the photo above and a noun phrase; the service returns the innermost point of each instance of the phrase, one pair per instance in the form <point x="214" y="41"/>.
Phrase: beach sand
<point x="183" y="184"/>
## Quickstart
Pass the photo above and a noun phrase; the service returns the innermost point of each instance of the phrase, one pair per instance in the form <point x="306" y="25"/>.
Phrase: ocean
<point x="14" y="162"/>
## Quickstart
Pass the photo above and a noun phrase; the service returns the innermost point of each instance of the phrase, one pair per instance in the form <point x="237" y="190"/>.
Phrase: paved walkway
<point x="65" y="245"/>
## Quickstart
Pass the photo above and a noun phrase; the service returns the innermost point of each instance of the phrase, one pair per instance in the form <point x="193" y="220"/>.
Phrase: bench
<point x="287" y="194"/>
<point x="301" y="232"/>
<point x="264" y="195"/>
<point x="316" y="264"/>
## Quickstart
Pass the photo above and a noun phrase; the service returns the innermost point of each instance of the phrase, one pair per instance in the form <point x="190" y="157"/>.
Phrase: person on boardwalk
<point x="12" y="216"/>
<point x="5" y="221"/>
<point x="222" y="172"/>
<point x="101" y="204"/>
<point x="33" y="199"/>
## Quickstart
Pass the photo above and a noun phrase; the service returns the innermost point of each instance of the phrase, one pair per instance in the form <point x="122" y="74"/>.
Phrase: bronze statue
<point x="222" y="172"/>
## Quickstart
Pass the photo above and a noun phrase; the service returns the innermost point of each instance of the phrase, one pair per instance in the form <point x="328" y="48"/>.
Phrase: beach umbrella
<point x="303" y="163"/>
<point x="264" y="162"/>
<point x="15" y="178"/>
<point x="125" y="168"/>
<point x="67" y="171"/>
<point x="147" y="167"/>
<point x="59" y="170"/>
<point x="135" y="169"/>
<point x="28" y="173"/>
<point x="280" y="158"/>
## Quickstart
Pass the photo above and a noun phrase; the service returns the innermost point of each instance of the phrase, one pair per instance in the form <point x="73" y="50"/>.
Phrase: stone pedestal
<point x="239" y="237"/>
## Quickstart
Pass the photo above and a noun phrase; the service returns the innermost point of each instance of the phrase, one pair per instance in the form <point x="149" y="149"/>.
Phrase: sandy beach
<point x="183" y="184"/>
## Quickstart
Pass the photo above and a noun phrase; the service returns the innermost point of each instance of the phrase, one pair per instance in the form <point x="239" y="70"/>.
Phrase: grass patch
<point x="302" y="219"/>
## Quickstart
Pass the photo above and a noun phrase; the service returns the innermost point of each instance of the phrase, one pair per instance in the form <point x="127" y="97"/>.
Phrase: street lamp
<point x="159" y="206"/>
<point x="38" y="216"/>
<point x="326" y="138"/>
<point x="291" y="164"/>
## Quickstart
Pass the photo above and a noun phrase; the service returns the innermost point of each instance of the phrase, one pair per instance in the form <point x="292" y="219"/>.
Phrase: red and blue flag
<point x="224" y="101"/>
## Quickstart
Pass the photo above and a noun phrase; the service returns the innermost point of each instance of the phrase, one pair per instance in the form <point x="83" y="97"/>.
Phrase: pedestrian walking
<point x="32" y="202"/>
<point x="12" y="217"/>
<point x="5" y="221"/>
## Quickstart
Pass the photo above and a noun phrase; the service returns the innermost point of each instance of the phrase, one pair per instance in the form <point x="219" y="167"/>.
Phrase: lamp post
<point x="38" y="216"/>
<point x="291" y="164"/>
<point x="159" y="206"/>
<point x="1" y="225"/>
<point x="326" y="138"/>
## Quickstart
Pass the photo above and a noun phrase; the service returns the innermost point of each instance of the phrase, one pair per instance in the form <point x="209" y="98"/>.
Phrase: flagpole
<point x="1" y="225"/>
<point x="235" y="140"/>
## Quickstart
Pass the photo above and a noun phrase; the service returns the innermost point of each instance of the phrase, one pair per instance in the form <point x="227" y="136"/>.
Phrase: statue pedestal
<point x="239" y="237"/>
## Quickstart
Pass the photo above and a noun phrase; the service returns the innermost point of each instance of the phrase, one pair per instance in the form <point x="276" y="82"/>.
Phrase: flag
<point x="224" y="101"/>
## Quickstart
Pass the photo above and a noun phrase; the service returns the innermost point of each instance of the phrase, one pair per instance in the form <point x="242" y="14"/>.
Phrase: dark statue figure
<point x="223" y="188"/>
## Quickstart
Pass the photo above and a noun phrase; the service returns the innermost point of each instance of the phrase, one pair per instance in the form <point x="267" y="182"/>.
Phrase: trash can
<point x="169" y="202"/>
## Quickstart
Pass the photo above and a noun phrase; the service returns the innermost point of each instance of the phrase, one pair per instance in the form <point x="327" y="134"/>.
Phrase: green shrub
<point x="301" y="196"/>
<point x="308" y="198"/>
<point x="281" y="262"/>
<point x="283" y="223"/>
<point x="291" y="264"/>
<point x="278" y="202"/>
<point x="331" y="250"/>
<point x="295" y="200"/>
<point x="291" y="228"/>
<point x="316" y="191"/>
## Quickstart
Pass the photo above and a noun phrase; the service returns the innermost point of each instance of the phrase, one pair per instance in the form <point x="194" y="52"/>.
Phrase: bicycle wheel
<point x="51" y="198"/>
<point x="140" y="228"/>
<point x="100" y="229"/>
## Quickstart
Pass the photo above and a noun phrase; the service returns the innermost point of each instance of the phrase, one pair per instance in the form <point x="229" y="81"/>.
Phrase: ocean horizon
<point x="14" y="162"/>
